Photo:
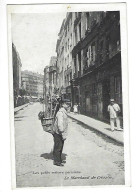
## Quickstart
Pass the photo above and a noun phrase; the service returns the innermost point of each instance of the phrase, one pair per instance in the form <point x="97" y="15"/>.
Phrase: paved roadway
<point x="90" y="158"/>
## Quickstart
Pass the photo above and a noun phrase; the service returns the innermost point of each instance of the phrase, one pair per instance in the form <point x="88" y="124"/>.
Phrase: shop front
<point x="98" y="87"/>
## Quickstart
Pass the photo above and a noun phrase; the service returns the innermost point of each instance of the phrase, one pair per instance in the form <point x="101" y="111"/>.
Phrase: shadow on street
<point x="49" y="156"/>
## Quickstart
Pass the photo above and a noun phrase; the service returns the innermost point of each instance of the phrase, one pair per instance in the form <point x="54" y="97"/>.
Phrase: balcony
<point x="87" y="31"/>
<point x="114" y="51"/>
<point x="76" y="48"/>
<point x="89" y="68"/>
<point x="77" y="75"/>
<point x="93" y="24"/>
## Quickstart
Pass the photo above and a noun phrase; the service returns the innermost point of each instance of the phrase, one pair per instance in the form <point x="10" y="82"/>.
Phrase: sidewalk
<point x="99" y="126"/>
<point x="20" y="107"/>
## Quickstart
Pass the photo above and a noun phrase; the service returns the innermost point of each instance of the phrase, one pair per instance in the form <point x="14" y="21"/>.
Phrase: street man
<point x="60" y="133"/>
<point x="114" y="111"/>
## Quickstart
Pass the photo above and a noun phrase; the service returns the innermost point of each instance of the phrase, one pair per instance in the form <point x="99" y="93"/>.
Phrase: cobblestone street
<point x="91" y="159"/>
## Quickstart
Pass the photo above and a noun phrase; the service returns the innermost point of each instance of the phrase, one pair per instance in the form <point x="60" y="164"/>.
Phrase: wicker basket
<point x="47" y="124"/>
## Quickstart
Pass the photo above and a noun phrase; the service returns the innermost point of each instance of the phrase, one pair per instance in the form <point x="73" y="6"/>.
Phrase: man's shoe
<point x="58" y="164"/>
<point x="63" y="161"/>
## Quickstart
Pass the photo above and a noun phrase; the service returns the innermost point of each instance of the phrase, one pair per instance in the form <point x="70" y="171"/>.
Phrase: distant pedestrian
<point x="60" y="133"/>
<point x="75" y="108"/>
<point x="114" y="111"/>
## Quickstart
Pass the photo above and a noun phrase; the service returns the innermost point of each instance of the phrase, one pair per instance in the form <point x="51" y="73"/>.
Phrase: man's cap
<point x="65" y="100"/>
<point x="112" y="100"/>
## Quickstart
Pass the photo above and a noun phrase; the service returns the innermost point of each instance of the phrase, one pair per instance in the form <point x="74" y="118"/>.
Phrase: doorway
<point x="87" y="100"/>
<point x="106" y="98"/>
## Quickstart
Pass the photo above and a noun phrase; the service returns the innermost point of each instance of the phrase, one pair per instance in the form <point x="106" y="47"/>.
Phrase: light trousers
<point x="112" y="123"/>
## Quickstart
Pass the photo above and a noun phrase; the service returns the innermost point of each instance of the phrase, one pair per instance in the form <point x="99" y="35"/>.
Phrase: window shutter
<point x="93" y="53"/>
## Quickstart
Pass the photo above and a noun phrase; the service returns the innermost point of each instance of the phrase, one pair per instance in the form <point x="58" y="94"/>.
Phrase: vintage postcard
<point x="68" y="95"/>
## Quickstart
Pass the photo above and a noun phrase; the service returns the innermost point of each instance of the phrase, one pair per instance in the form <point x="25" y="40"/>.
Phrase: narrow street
<point x="91" y="159"/>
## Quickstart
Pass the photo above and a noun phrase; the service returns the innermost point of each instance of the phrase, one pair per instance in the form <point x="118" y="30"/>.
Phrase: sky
<point x="35" y="37"/>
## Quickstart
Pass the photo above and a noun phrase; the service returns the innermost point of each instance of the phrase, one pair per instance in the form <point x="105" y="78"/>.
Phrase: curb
<point x="114" y="139"/>
<point x="20" y="108"/>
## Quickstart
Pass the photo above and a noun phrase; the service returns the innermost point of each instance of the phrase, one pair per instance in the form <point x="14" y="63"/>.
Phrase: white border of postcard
<point x="49" y="8"/>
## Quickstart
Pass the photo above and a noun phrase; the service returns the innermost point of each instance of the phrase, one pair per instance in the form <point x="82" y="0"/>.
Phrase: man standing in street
<point x="114" y="111"/>
<point x="60" y="133"/>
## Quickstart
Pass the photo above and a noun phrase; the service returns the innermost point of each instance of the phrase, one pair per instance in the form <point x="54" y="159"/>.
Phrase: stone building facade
<point x="64" y="55"/>
<point x="50" y="78"/>
<point x="16" y="62"/>
<point x="97" y="62"/>
<point x="32" y="83"/>
<point x="89" y="61"/>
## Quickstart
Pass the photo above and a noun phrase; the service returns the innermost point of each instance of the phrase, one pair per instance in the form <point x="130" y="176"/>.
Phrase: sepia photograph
<point x="66" y="68"/>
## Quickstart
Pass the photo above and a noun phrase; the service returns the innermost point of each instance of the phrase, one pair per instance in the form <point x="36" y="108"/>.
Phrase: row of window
<point x="69" y="26"/>
<point x="68" y="78"/>
<point x="96" y="53"/>
<point x="68" y="43"/>
<point x="68" y="60"/>
<point x="117" y="86"/>
<point x="91" y="54"/>
<point x="77" y="33"/>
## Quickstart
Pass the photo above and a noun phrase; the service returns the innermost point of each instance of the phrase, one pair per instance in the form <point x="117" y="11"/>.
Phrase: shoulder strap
<point x="114" y="108"/>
